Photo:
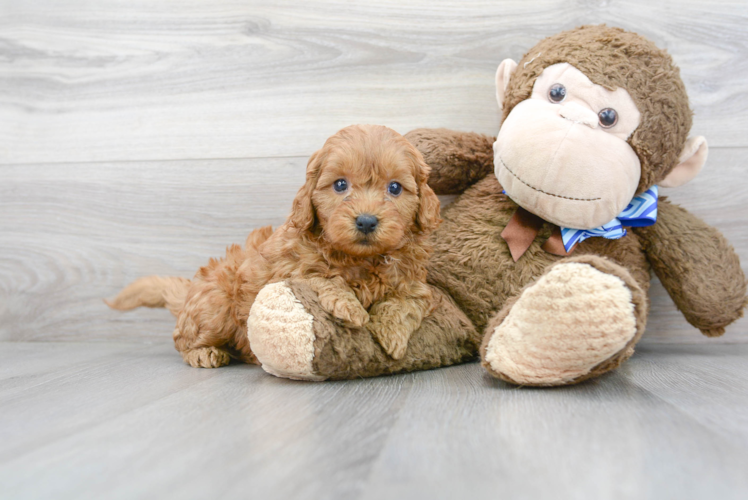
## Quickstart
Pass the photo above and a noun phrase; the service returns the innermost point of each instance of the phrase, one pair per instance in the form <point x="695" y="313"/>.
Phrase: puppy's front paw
<point x="391" y="336"/>
<point x="349" y="310"/>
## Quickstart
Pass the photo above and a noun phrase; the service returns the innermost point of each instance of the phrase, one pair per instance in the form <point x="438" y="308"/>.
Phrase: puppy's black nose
<point x="366" y="223"/>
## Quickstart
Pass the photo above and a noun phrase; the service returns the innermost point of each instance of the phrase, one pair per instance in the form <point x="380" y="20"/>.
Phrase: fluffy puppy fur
<point x="364" y="275"/>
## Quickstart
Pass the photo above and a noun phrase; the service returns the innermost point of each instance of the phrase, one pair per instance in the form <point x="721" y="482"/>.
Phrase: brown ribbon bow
<point x="521" y="231"/>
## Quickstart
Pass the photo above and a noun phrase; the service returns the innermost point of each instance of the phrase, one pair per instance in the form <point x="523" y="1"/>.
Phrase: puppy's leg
<point x="394" y="319"/>
<point x="212" y="324"/>
<point x="202" y="328"/>
<point x="337" y="298"/>
<point x="206" y="357"/>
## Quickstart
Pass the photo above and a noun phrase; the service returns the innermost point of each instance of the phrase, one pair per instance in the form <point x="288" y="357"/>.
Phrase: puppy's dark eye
<point x="394" y="188"/>
<point x="557" y="93"/>
<point x="608" y="117"/>
<point x="340" y="185"/>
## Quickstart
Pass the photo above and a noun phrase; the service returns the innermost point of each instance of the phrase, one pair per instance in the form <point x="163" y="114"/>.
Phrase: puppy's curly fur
<point x="366" y="277"/>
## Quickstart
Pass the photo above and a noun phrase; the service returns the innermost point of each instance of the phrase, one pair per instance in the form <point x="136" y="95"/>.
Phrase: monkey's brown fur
<point x="378" y="279"/>
<point x="475" y="278"/>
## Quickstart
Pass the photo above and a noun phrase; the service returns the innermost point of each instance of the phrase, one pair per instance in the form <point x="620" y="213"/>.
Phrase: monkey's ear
<point x="506" y="68"/>
<point x="691" y="160"/>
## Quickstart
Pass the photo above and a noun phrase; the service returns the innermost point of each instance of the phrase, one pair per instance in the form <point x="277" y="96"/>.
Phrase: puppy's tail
<point x="152" y="291"/>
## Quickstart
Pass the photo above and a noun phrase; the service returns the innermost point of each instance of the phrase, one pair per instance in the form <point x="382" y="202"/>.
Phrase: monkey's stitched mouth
<point x="540" y="190"/>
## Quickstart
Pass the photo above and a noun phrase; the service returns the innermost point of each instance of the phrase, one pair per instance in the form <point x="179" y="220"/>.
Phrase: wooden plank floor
<point x="107" y="420"/>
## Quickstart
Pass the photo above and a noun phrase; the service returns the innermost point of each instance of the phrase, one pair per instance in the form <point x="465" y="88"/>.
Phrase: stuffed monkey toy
<point x="544" y="267"/>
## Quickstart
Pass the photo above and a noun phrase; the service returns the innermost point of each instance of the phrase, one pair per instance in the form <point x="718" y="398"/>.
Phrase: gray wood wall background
<point x="141" y="137"/>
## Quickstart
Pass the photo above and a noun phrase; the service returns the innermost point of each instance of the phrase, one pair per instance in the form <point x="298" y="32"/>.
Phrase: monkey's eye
<point x="340" y="185"/>
<point x="608" y="117"/>
<point x="394" y="188"/>
<point x="557" y="93"/>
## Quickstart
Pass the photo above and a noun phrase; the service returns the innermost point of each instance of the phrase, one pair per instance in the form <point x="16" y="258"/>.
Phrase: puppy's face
<point x="368" y="192"/>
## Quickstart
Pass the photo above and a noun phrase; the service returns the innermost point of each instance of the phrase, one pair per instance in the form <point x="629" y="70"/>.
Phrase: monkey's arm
<point x="697" y="266"/>
<point x="457" y="159"/>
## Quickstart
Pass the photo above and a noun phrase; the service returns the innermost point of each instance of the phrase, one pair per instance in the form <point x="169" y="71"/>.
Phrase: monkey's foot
<point x="580" y="319"/>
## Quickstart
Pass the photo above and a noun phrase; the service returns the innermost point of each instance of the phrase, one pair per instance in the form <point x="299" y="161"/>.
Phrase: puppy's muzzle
<point x="366" y="223"/>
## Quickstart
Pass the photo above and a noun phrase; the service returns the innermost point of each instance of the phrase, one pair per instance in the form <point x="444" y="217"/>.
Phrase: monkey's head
<point x="592" y="117"/>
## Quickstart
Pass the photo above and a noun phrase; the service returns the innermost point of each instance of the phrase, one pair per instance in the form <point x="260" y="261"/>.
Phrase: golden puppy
<point x="357" y="232"/>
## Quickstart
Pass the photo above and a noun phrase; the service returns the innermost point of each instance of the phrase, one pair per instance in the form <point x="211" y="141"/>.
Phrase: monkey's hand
<point x="457" y="159"/>
<point x="697" y="266"/>
<point x="337" y="298"/>
<point x="394" y="319"/>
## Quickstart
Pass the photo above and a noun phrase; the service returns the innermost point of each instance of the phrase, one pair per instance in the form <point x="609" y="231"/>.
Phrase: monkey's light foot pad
<point x="571" y="320"/>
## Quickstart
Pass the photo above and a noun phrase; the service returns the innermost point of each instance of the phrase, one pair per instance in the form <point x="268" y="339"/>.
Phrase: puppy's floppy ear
<point x="302" y="211"/>
<point x="427" y="217"/>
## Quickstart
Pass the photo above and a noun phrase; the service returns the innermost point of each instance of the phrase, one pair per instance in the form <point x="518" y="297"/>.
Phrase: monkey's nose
<point x="366" y="223"/>
<point x="578" y="114"/>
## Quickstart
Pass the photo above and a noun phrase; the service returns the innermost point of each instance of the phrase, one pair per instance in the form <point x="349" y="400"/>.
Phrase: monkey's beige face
<point x="562" y="154"/>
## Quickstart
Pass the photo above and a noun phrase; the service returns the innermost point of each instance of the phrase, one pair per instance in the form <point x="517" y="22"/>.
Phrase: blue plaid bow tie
<point x="641" y="212"/>
<point x="523" y="227"/>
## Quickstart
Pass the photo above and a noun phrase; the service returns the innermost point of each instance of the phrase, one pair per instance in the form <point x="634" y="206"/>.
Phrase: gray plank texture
<point x="75" y="234"/>
<point x="150" y="80"/>
<point x="134" y="422"/>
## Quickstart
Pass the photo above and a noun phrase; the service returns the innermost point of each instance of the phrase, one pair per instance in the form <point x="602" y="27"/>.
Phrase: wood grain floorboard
<point x="187" y="433"/>
<point x="463" y="434"/>
<point x="140" y="424"/>
<point x="83" y="395"/>
<point x="40" y="364"/>
<point x="671" y="372"/>
<point x="75" y="234"/>
<point x="151" y="80"/>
